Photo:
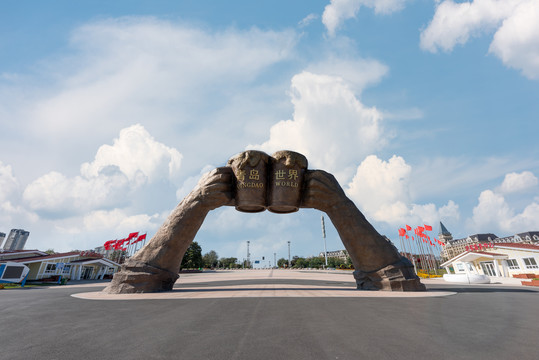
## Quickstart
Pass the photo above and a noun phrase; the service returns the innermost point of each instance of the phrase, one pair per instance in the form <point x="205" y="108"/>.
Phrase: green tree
<point x="300" y="262"/>
<point x="210" y="259"/>
<point x="229" y="263"/>
<point x="334" y="262"/>
<point x="282" y="262"/>
<point x="193" y="257"/>
<point x="50" y="251"/>
<point x="316" y="262"/>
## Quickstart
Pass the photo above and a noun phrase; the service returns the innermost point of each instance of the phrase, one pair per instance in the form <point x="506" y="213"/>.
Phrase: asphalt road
<point x="495" y="322"/>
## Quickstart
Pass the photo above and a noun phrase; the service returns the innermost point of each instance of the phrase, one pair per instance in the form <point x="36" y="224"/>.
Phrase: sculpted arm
<point x="155" y="267"/>
<point x="377" y="262"/>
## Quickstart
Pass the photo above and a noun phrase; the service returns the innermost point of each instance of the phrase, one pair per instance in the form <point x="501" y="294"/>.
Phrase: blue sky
<point x="425" y="111"/>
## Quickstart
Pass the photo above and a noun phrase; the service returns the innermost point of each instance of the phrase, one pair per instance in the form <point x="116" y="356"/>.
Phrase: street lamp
<point x="324" y="236"/>
<point x="289" y="254"/>
<point x="248" y="255"/>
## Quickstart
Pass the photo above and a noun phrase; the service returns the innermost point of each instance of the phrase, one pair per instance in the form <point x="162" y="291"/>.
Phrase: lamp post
<point x="248" y="255"/>
<point x="289" y="254"/>
<point x="275" y="260"/>
<point x="324" y="236"/>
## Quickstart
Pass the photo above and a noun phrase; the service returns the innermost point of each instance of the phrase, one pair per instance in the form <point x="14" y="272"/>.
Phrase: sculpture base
<point x="396" y="277"/>
<point x="138" y="277"/>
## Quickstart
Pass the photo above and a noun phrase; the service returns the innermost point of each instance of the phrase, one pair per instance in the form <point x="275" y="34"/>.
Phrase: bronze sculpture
<point x="378" y="264"/>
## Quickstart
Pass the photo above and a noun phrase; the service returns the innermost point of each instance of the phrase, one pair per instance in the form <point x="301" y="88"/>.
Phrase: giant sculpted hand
<point x="155" y="267"/>
<point x="377" y="263"/>
<point x="322" y="191"/>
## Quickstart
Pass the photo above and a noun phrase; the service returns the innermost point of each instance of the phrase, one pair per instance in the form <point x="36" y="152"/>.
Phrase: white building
<point x="74" y="265"/>
<point x="502" y="260"/>
<point x="340" y="254"/>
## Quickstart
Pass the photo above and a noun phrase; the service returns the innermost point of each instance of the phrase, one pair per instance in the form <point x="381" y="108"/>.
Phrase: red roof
<point x="518" y="246"/>
<point x="44" y="257"/>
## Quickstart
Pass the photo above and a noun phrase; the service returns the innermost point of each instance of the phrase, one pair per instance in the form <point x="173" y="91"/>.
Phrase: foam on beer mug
<point x="286" y="181"/>
<point x="250" y="171"/>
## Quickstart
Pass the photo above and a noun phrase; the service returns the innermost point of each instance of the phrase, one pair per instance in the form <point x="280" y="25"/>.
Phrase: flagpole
<point x="424" y="260"/>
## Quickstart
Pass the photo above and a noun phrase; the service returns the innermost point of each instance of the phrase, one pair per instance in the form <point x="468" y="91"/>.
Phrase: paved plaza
<point x="270" y="314"/>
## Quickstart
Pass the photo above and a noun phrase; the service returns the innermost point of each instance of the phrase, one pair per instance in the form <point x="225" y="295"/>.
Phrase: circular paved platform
<point x="263" y="283"/>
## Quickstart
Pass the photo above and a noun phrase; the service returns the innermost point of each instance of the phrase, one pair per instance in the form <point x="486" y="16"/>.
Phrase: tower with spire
<point x="444" y="235"/>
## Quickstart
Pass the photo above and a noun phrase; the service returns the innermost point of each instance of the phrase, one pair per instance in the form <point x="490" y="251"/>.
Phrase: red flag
<point x="141" y="237"/>
<point x="402" y="232"/>
<point x="428" y="227"/>
<point x="409" y="237"/>
<point x="108" y="244"/>
<point x="408" y="227"/>
<point x="132" y="235"/>
<point x="118" y="244"/>
<point x="467" y="248"/>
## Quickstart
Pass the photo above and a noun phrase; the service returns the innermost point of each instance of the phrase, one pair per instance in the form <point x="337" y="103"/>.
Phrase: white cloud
<point x="118" y="221"/>
<point x="516" y="42"/>
<point x="379" y="183"/>
<point x="451" y="210"/>
<point x="381" y="190"/>
<point x="190" y="183"/>
<point x="8" y="182"/>
<point x="514" y="22"/>
<point x="340" y="10"/>
<point x="134" y="160"/>
<point x="149" y="71"/>
<point x="515" y="182"/>
<point x="493" y="212"/>
<point x="136" y="153"/>
<point x="357" y="73"/>
<point x="307" y="20"/>
<point x="54" y="194"/>
<point x="330" y="125"/>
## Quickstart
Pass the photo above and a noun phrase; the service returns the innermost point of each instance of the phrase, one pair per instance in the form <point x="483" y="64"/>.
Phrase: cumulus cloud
<point x="381" y="186"/>
<point x="515" y="182"/>
<point x="330" y="125"/>
<point x="138" y="69"/>
<point x="10" y="210"/>
<point x="515" y="24"/>
<point x="381" y="190"/>
<point x="119" y="221"/>
<point x="340" y="10"/>
<point x="516" y="42"/>
<point x="137" y="155"/>
<point x="8" y="182"/>
<point x="493" y="212"/>
<point x="134" y="159"/>
<point x="55" y="194"/>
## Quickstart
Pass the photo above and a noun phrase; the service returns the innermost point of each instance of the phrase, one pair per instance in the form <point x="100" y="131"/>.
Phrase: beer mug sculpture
<point x="250" y="170"/>
<point x="287" y="169"/>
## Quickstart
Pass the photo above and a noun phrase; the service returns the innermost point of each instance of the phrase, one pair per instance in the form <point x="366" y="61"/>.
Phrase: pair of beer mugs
<point x="283" y="171"/>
